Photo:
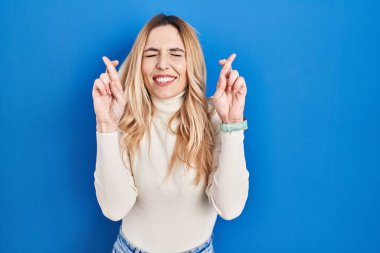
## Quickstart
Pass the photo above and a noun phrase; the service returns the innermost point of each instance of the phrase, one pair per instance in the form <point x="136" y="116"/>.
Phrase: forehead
<point x="166" y="36"/>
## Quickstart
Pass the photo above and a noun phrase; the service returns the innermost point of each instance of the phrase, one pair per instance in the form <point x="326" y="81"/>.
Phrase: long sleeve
<point x="228" y="183"/>
<point x="113" y="180"/>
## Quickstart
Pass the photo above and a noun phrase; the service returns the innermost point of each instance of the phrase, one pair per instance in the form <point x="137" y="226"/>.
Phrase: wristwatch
<point x="231" y="127"/>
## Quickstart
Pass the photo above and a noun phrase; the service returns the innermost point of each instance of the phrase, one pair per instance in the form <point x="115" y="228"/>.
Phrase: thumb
<point x="115" y="63"/>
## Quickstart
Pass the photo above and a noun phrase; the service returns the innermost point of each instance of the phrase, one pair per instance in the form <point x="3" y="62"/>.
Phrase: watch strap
<point x="232" y="127"/>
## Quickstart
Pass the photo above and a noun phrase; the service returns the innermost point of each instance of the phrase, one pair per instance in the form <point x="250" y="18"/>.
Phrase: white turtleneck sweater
<point x="176" y="216"/>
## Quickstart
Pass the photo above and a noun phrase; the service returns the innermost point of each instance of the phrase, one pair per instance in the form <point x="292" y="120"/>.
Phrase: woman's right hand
<point x="108" y="98"/>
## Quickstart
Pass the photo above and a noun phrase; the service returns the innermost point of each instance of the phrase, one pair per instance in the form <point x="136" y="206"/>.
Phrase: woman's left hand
<point x="229" y="97"/>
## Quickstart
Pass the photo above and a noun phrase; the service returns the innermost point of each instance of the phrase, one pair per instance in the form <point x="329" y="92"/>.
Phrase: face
<point x="164" y="63"/>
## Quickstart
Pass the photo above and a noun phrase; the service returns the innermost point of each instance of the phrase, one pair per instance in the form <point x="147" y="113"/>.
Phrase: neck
<point x="168" y="105"/>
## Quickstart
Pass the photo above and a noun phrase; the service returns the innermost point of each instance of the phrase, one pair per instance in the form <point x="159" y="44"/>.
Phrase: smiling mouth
<point x="164" y="81"/>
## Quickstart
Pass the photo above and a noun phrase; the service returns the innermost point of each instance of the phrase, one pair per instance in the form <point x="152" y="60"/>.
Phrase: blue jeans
<point x="122" y="245"/>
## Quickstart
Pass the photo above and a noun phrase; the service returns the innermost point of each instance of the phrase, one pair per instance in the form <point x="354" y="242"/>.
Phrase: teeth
<point x="165" y="79"/>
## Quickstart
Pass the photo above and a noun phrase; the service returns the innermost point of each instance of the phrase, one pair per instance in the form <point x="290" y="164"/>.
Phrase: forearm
<point x="228" y="185"/>
<point x="114" y="184"/>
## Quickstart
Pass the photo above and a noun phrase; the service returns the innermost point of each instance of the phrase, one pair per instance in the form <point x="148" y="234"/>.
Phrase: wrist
<point x="233" y="121"/>
<point x="106" y="127"/>
<point x="232" y="127"/>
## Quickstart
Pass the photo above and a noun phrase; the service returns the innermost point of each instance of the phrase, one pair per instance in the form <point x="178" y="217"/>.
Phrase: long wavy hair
<point x="195" y="134"/>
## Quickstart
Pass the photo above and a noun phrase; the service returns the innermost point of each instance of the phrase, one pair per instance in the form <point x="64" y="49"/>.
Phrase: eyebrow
<point x="175" y="49"/>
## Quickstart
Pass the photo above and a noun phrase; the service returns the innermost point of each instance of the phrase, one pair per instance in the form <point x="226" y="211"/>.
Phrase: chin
<point x="164" y="93"/>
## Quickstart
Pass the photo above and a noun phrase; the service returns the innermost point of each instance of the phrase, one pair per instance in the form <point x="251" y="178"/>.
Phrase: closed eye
<point x="176" y="55"/>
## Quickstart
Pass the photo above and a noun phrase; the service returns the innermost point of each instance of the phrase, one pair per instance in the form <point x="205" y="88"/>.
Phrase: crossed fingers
<point x="230" y="79"/>
<point x="108" y="82"/>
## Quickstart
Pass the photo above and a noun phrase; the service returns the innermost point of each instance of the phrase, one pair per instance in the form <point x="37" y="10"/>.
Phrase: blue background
<point x="312" y="147"/>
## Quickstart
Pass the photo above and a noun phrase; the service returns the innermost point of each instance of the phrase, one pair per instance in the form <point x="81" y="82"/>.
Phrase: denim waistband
<point x="126" y="243"/>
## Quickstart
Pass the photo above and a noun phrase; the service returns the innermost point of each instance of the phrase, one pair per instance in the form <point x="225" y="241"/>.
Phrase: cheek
<point x="144" y="68"/>
<point x="181" y="67"/>
<point x="145" y="71"/>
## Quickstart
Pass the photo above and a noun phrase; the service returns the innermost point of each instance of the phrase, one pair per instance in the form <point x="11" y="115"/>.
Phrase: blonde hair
<point x="195" y="134"/>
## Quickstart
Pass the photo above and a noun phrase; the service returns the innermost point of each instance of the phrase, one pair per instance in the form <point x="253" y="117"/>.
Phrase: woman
<point x="169" y="160"/>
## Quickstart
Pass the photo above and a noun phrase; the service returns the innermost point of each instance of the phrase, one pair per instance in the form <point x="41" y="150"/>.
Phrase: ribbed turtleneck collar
<point x="168" y="105"/>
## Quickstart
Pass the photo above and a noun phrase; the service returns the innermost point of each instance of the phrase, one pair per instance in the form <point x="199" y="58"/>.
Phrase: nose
<point x="162" y="63"/>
